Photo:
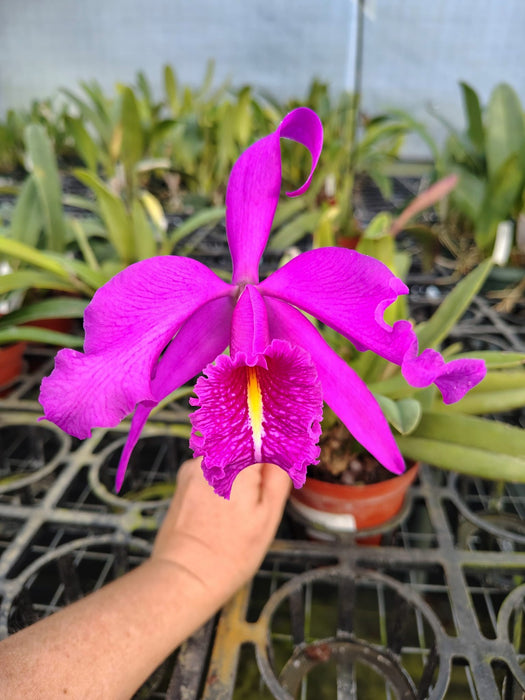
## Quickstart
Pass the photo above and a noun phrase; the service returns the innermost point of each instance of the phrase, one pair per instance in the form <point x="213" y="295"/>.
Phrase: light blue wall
<point x="415" y="51"/>
<point x="278" y="45"/>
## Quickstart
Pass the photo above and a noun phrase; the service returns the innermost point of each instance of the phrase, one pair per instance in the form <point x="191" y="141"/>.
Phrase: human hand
<point x="221" y="543"/>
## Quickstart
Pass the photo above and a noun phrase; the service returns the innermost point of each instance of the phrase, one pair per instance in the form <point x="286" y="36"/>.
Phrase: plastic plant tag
<point x="503" y="243"/>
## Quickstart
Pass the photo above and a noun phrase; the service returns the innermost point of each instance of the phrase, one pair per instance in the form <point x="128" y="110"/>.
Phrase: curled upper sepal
<point x="254" y="187"/>
<point x="266" y="411"/>
<point x="454" y="379"/>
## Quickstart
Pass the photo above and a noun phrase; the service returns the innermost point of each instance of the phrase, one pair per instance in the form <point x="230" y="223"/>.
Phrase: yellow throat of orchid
<point x="255" y="409"/>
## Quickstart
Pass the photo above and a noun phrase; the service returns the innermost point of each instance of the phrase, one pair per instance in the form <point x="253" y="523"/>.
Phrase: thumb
<point x="275" y="486"/>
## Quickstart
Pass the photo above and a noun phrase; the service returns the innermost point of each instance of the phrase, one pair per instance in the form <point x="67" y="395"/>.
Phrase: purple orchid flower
<point x="162" y="321"/>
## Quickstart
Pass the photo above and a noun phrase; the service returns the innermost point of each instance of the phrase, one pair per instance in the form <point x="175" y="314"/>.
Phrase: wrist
<point x="195" y="564"/>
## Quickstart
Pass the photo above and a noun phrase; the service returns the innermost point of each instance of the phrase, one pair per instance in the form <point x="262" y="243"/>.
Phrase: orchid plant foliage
<point x="164" y="320"/>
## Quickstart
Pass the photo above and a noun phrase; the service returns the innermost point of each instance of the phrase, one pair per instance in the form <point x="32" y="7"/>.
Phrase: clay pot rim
<point x="364" y="490"/>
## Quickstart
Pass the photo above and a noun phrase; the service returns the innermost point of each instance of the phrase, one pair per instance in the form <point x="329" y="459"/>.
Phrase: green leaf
<point x="482" y="433"/>
<point x="132" y="145"/>
<point x="83" y="243"/>
<point x="504" y="130"/>
<point x="57" y="307"/>
<point x="45" y="173"/>
<point x="113" y="213"/>
<point x="379" y="227"/>
<point x="292" y="232"/>
<point x="26" y="220"/>
<point x="15" y="334"/>
<point x="509" y="395"/>
<point x="495" y="401"/>
<point x="32" y="256"/>
<point x="85" y="145"/>
<point x="94" y="115"/>
<point x="464" y="459"/>
<point x="467" y="444"/>
<point x="324" y="233"/>
<point x="501" y="199"/>
<point x="431" y="333"/>
<point x="155" y="211"/>
<point x="494" y="359"/>
<point x="144" y="87"/>
<point x="33" y="279"/>
<point x="286" y="210"/>
<point x="404" y="414"/>
<point x="470" y="193"/>
<point x="205" y="217"/>
<point x="81" y="275"/>
<point x="243" y="116"/>
<point x="74" y="200"/>
<point x="143" y="233"/>
<point x="473" y="112"/>
<point x="208" y="78"/>
<point x="171" y="90"/>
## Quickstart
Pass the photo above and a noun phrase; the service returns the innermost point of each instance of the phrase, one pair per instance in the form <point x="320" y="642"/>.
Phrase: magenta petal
<point x="458" y="377"/>
<point x="344" y="391"/>
<point x="254" y="188"/>
<point x="148" y="301"/>
<point x="231" y="434"/>
<point x="349" y="292"/>
<point x="304" y="126"/>
<point x="201" y="338"/>
<point x="454" y="379"/>
<point x="128" y="323"/>
<point x="138" y="422"/>
<point x="84" y="391"/>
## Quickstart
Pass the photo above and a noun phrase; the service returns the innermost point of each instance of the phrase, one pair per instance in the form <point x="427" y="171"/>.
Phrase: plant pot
<point x="329" y="508"/>
<point x="59" y="325"/>
<point x="11" y="362"/>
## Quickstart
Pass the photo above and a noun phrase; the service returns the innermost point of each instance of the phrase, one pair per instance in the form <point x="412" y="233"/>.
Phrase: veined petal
<point x="149" y="299"/>
<point x="264" y="411"/>
<point x="254" y="187"/>
<point x="454" y="379"/>
<point x="201" y="338"/>
<point x="128" y="323"/>
<point x="349" y="292"/>
<point x="344" y="391"/>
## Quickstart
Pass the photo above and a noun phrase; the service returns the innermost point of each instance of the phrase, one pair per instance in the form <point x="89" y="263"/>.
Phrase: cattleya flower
<point x="162" y="321"/>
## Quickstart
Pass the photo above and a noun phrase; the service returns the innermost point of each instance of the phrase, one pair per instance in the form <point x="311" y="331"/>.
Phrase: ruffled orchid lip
<point x="257" y="398"/>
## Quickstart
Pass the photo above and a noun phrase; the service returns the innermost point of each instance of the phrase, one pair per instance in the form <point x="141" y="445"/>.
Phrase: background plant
<point x="489" y="158"/>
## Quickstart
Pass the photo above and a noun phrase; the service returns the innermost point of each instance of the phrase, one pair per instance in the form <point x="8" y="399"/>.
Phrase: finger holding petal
<point x="349" y="292"/>
<point x="254" y="188"/>
<point x="343" y="390"/>
<point x="200" y="340"/>
<point x="128" y="324"/>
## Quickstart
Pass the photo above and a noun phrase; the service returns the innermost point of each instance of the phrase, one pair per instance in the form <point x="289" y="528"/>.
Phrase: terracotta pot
<point x="350" y="242"/>
<point x="60" y="325"/>
<point x="337" y="508"/>
<point x="11" y="362"/>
